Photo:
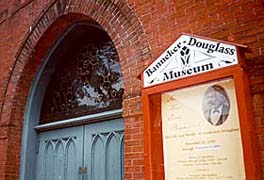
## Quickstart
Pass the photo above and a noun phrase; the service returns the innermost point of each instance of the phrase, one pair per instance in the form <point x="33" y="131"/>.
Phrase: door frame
<point x="31" y="118"/>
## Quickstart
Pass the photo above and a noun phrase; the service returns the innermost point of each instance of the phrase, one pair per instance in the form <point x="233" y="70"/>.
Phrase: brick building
<point x="35" y="33"/>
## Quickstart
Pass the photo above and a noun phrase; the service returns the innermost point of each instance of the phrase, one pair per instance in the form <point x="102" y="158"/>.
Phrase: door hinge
<point x="37" y="146"/>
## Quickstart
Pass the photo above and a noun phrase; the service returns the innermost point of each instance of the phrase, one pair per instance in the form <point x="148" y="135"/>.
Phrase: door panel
<point x="60" y="154"/>
<point x="97" y="156"/>
<point x="103" y="149"/>
<point x="114" y="155"/>
<point x="60" y="160"/>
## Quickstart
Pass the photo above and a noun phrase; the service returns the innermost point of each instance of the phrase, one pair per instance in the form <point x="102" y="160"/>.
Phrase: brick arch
<point x="122" y="25"/>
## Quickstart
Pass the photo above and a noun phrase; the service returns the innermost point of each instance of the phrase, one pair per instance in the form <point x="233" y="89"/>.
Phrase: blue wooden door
<point x="103" y="150"/>
<point x="60" y="154"/>
<point x="87" y="152"/>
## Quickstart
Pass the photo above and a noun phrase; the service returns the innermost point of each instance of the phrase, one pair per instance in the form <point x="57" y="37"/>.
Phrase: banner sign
<point x="188" y="56"/>
<point x="201" y="133"/>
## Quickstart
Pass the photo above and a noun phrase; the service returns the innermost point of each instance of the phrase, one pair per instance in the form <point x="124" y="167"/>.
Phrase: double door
<point x="86" y="152"/>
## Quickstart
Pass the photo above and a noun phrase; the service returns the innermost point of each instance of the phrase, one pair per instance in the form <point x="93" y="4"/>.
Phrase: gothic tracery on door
<point x="93" y="152"/>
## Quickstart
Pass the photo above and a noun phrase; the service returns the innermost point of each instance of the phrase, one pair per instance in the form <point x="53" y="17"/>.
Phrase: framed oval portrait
<point x="216" y="105"/>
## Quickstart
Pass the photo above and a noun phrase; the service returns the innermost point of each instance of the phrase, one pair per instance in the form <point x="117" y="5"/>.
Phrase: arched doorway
<point x="75" y="128"/>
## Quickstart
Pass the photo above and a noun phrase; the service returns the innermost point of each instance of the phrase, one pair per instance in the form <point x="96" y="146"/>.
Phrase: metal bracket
<point x="82" y="170"/>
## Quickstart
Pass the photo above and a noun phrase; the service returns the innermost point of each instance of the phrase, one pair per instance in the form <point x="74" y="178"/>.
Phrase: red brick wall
<point x="141" y="30"/>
